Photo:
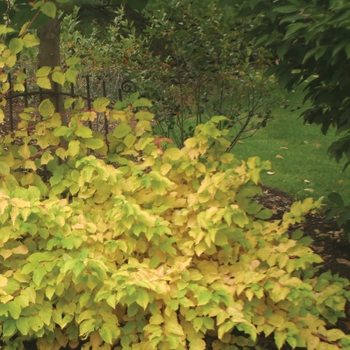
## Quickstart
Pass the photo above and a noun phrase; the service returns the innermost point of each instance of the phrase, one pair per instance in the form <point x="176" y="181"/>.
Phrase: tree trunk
<point x="49" y="55"/>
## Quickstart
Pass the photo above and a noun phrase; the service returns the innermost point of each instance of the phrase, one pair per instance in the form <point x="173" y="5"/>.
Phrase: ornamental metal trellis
<point x="25" y="98"/>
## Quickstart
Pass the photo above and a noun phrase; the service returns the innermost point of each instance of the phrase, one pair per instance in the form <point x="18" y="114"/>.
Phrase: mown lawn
<point x="300" y="163"/>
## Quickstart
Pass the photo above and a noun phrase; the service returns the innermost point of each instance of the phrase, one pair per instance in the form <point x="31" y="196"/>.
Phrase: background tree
<point x="309" y="40"/>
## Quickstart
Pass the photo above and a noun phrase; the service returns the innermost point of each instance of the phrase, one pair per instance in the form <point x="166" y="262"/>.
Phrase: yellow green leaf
<point x="9" y="328"/>
<point x="18" y="87"/>
<point x="14" y="309"/>
<point x="44" y="82"/>
<point x="172" y="153"/>
<point x="224" y="328"/>
<point x="11" y="61"/>
<point x="58" y="77"/>
<point x="16" y="45"/>
<point x="142" y="102"/>
<point x="276" y="320"/>
<point x="173" y="327"/>
<point x="93" y="143"/>
<point x="334" y="334"/>
<point x="100" y="104"/>
<point x="109" y="332"/>
<point x="142" y="298"/>
<point x="22" y="250"/>
<point x="43" y="72"/>
<point x="73" y="148"/>
<point x="156" y="319"/>
<point x="49" y="9"/>
<point x="122" y="130"/>
<point x="5" y="87"/>
<point x="4" y="29"/>
<point x="71" y="75"/>
<point x="30" y="40"/>
<point x="4" y="168"/>
<point x="280" y="339"/>
<point x="84" y="132"/>
<point x="46" y="108"/>
<point x="23" y="325"/>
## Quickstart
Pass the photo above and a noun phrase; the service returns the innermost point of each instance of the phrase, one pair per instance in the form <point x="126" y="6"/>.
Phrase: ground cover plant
<point x="134" y="243"/>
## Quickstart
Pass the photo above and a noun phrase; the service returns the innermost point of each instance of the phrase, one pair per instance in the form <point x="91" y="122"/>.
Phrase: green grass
<point x="305" y="169"/>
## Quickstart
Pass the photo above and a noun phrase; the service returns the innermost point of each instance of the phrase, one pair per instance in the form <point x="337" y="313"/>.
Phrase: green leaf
<point x="293" y="28"/>
<point x="30" y="40"/>
<point x="14" y="309"/>
<point x="172" y="153"/>
<point x="336" y="198"/>
<point x="109" y="332"/>
<point x="129" y="140"/>
<point x="49" y="9"/>
<point x="4" y="168"/>
<point x="204" y="297"/>
<point x="84" y="132"/>
<point x="93" y="143"/>
<point x="4" y="29"/>
<point x="71" y="75"/>
<point x="23" y="325"/>
<point x="248" y="328"/>
<point x="142" y="102"/>
<point x="144" y="115"/>
<point x="16" y="45"/>
<point x="122" y="130"/>
<point x="2" y="115"/>
<point x="100" y="104"/>
<point x="9" y="328"/>
<point x="285" y="9"/>
<point x="334" y="335"/>
<point x="44" y="83"/>
<point x="225" y="328"/>
<point x="58" y="77"/>
<point x="98" y="267"/>
<point x="219" y="119"/>
<point x="61" y="131"/>
<point x="73" y="148"/>
<point x="142" y="298"/>
<point x="36" y="323"/>
<point x="297" y="234"/>
<point x="72" y="61"/>
<point x="264" y="214"/>
<point x="46" y="108"/>
<point x="48" y="139"/>
<point x="87" y="326"/>
<point x="43" y="72"/>
<point x="240" y="218"/>
<point x="38" y="275"/>
<point x="276" y="320"/>
<point x="46" y="312"/>
<point x="280" y="339"/>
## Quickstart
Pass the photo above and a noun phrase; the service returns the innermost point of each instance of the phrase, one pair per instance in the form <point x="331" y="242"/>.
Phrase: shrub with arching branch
<point x="134" y="244"/>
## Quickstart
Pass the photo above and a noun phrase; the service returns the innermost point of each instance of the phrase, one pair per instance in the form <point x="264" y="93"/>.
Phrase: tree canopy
<point x="309" y="40"/>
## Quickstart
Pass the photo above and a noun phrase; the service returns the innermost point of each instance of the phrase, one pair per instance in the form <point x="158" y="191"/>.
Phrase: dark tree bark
<point x="49" y="55"/>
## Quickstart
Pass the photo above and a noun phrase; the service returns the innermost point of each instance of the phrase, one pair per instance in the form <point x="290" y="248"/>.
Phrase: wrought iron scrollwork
<point x="126" y="86"/>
